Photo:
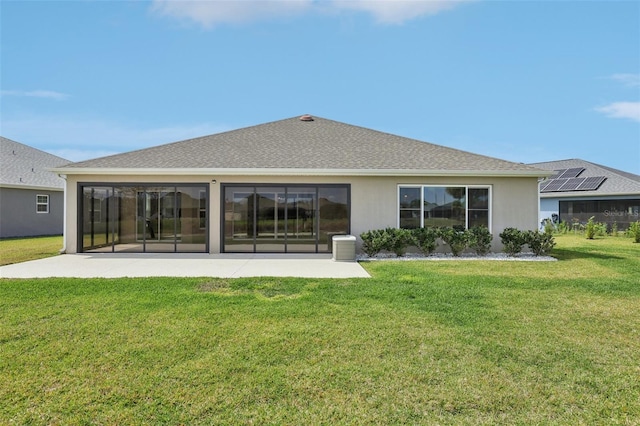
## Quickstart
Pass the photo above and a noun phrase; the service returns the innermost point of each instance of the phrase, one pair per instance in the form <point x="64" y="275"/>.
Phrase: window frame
<point x="421" y="187"/>
<point x="39" y="203"/>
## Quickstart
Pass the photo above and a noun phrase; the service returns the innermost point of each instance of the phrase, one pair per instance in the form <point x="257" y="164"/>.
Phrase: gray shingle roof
<point x="294" y="144"/>
<point x="617" y="182"/>
<point x="24" y="166"/>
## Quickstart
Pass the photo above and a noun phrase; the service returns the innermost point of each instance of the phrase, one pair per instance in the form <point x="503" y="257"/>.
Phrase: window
<point x="436" y="206"/>
<point x="42" y="203"/>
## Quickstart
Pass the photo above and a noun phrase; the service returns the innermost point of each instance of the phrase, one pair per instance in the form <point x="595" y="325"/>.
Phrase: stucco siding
<point x="374" y="200"/>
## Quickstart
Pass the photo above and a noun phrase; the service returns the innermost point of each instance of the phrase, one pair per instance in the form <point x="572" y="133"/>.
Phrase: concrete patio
<point x="114" y="265"/>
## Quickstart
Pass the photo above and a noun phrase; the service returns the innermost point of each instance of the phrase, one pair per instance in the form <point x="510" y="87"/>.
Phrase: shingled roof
<point x="22" y="166"/>
<point x="617" y="182"/>
<point x="302" y="145"/>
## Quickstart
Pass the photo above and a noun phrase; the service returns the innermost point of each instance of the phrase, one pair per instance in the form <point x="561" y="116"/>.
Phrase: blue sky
<point x="526" y="81"/>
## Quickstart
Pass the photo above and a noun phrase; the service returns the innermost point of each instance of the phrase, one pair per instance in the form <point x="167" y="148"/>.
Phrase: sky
<point x="524" y="81"/>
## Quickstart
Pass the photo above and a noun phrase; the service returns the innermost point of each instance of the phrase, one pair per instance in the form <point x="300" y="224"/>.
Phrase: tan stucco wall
<point x="374" y="201"/>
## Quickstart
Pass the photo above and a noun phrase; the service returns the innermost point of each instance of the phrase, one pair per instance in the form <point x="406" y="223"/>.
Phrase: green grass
<point x="480" y="342"/>
<point x="16" y="250"/>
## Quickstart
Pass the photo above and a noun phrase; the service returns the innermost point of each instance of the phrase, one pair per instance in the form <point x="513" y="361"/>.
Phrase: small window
<point x="42" y="203"/>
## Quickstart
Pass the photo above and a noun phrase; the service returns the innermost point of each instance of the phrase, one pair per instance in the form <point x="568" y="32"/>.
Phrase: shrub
<point x="549" y="226"/>
<point x="513" y="240"/>
<point x="591" y="229"/>
<point x="634" y="231"/>
<point x="374" y="241"/>
<point x="614" y="229"/>
<point x="563" y="227"/>
<point x="540" y="243"/>
<point x="480" y="240"/>
<point x="425" y="239"/>
<point x="398" y="240"/>
<point x="456" y="239"/>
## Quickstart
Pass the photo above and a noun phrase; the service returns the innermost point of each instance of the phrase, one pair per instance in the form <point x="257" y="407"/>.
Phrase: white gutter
<point x="583" y="194"/>
<point x="31" y="187"/>
<point x="297" y="172"/>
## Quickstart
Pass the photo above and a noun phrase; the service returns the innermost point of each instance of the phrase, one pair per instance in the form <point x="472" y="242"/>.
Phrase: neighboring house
<point x="579" y="190"/>
<point x="287" y="187"/>
<point x="31" y="196"/>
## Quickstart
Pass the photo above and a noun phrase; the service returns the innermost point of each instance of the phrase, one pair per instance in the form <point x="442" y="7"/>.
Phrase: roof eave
<point x="32" y="187"/>
<point x="584" y="194"/>
<point x="297" y="172"/>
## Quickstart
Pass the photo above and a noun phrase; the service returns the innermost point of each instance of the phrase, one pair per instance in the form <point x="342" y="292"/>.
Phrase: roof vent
<point x="306" y="117"/>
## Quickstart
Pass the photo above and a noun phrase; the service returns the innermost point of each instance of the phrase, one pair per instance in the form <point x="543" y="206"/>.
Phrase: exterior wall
<point x="374" y="200"/>
<point x="548" y="207"/>
<point x="18" y="216"/>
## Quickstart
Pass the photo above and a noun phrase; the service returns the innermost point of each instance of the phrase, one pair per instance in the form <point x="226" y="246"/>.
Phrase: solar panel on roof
<point x="558" y="173"/>
<point x="544" y="184"/>
<point x="554" y="185"/>
<point x="571" y="184"/>
<point x="591" y="183"/>
<point x="571" y="173"/>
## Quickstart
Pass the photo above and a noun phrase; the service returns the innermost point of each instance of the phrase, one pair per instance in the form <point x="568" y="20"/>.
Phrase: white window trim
<point x="489" y="189"/>
<point x="38" y="203"/>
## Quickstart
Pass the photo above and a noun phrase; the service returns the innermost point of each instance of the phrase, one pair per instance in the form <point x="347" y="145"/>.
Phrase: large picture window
<point x="437" y="206"/>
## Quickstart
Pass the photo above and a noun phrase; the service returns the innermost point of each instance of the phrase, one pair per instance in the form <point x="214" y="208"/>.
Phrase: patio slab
<point x="115" y="265"/>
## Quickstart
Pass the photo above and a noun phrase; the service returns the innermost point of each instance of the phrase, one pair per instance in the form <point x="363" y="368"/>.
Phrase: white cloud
<point x="209" y="13"/>
<point x="79" y="139"/>
<point x="631" y="80"/>
<point x="630" y="110"/>
<point x="47" y="94"/>
<point x="397" y="11"/>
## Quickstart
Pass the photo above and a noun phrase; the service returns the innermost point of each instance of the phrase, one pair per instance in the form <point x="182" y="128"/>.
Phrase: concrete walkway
<point x="115" y="265"/>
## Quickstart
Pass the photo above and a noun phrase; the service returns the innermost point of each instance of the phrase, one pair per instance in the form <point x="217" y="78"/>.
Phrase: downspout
<point x="63" y="250"/>
<point x="540" y="180"/>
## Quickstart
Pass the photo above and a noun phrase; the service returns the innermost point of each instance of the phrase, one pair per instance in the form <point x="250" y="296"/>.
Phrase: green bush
<point x="563" y="227"/>
<point x="456" y="239"/>
<point x="425" y="239"/>
<point x="390" y="239"/>
<point x="513" y="239"/>
<point x="591" y="228"/>
<point x="540" y="243"/>
<point x="373" y="242"/>
<point x="480" y="240"/>
<point x="634" y="231"/>
<point x="398" y="240"/>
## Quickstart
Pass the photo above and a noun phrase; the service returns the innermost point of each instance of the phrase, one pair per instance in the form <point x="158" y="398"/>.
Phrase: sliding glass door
<point x="277" y="219"/>
<point x="144" y="218"/>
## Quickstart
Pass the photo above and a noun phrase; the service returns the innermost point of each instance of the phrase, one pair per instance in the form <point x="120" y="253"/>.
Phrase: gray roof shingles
<point x="24" y="166"/>
<point x="617" y="182"/>
<point x="295" y="144"/>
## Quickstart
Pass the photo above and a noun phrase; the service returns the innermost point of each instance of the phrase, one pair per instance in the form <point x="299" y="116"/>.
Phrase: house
<point x="287" y="187"/>
<point x="31" y="196"/>
<point x="579" y="190"/>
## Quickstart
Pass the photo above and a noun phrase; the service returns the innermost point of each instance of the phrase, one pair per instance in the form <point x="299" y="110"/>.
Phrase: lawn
<point x="16" y="250"/>
<point x="421" y="342"/>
